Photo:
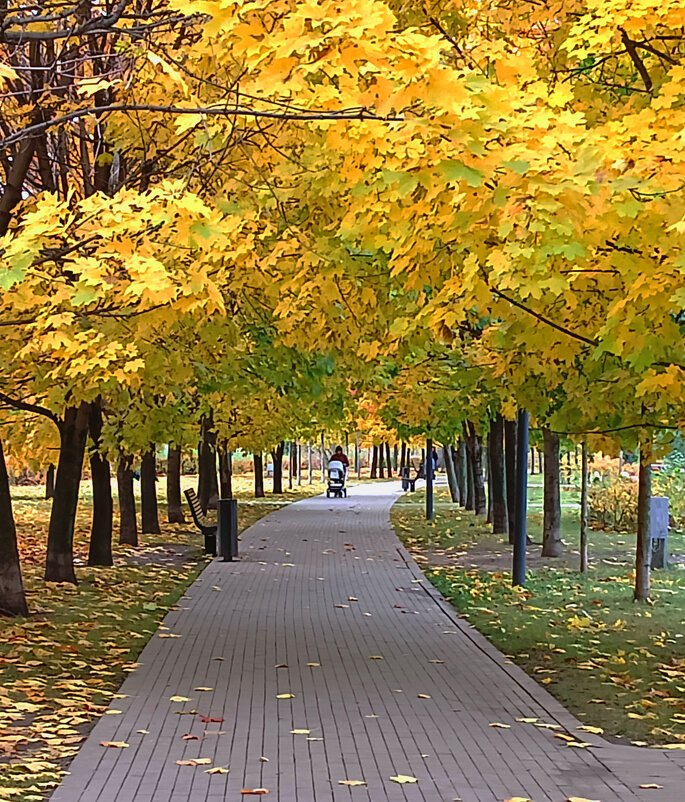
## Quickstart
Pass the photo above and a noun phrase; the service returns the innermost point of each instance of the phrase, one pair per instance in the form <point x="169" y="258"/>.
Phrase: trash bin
<point x="228" y="529"/>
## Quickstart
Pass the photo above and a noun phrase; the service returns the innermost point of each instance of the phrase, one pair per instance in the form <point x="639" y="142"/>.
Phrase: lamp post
<point x="429" y="479"/>
<point x="518" y="573"/>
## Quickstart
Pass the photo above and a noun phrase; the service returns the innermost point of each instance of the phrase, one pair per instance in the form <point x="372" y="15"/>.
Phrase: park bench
<point x="206" y="525"/>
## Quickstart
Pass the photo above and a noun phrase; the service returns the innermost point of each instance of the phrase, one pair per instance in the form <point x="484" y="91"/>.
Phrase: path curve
<point x="325" y="588"/>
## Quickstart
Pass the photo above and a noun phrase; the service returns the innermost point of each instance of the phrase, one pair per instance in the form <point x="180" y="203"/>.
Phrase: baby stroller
<point x="336" y="480"/>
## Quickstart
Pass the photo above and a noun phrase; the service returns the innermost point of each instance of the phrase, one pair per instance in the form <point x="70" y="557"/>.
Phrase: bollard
<point x="228" y="529"/>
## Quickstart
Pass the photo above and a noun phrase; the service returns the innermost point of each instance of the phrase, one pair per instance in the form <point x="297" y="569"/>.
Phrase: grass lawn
<point x="615" y="664"/>
<point x="60" y="667"/>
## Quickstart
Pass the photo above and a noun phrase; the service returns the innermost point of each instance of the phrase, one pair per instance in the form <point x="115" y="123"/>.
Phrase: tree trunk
<point x="510" y="466"/>
<point x="488" y="518"/>
<point x="381" y="461"/>
<point x="298" y="463"/>
<point x="388" y="460"/>
<point x="277" y="455"/>
<point x="148" y="493"/>
<point x="551" y="527"/>
<point x="532" y="460"/>
<point x="644" y="545"/>
<point x="451" y="474"/>
<point x="374" y="463"/>
<point x="173" y="486"/>
<point x="403" y="456"/>
<point x="128" y="525"/>
<point x="583" y="510"/>
<point x="470" y="484"/>
<point x="12" y="598"/>
<point x="50" y="482"/>
<point x="225" y="470"/>
<point x="100" y="548"/>
<point x="357" y="456"/>
<point x="310" y="478"/>
<point x="474" y="450"/>
<point x="59" y="563"/>
<point x="500" y="514"/>
<point x="207" y="481"/>
<point x="540" y="468"/>
<point x="460" y="470"/>
<point x="258" y="475"/>
<point x="395" y="457"/>
<point x="323" y="460"/>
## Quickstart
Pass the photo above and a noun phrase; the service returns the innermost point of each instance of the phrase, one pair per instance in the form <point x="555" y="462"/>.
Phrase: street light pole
<point x="518" y="573"/>
<point x="429" y="479"/>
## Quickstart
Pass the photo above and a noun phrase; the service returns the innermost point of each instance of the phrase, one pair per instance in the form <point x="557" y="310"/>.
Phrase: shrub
<point x="612" y="502"/>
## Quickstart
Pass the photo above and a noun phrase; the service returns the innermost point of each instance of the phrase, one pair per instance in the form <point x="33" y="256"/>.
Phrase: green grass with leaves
<point x="615" y="664"/>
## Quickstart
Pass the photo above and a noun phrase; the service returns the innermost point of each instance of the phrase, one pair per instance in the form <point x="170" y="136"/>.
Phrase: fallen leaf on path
<point x="143" y="732"/>
<point x="376" y="657"/>
<point x="672" y="746"/>
<point x="593" y="730"/>
<point x="179" y="699"/>
<point x="526" y="720"/>
<point x="168" y="635"/>
<point x="281" y="665"/>
<point x="254" y="791"/>
<point x="404" y="778"/>
<point x="215" y="587"/>
<point x="191" y="737"/>
<point x="423" y="696"/>
<point x="285" y="696"/>
<point x="115" y="744"/>
<point x="580" y="799"/>
<point x="501" y="726"/>
<point x="197" y="761"/>
<point x="202" y="688"/>
<point x="113" y="712"/>
<point x="518" y="799"/>
<point x="436" y="661"/>
<point x="315" y="739"/>
<point x="217" y="770"/>
<point x="300" y="732"/>
<point x="313" y="665"/>
<point x="342" y="605"/>
<point x="352" y="783"/>
<point x="651" y="786"/>
<point x="210" y="720"/>
<point x="264" y="759"/>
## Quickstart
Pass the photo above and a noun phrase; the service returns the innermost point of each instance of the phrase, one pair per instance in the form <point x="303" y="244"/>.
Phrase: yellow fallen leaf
<point x="254" y="791"/>
<point x="376" y="657"/>
<point x="588" y="728"/>
<point x="403" y="778"/>
<point x="217" y="770"/>
<point x="113" y="712"/>
<point x="352" y="598"/>
<point x="285" y="696"/>
<point x="313" y="665"/>
<point x="115" y="744"/>
<point x="196" y="761"/>
<point x="202" y="688"/>
<point x="179" y="699"/>
<point x="527" y="720"/>
<point x="351" y="782"/>
<point x="651" y="786"/>
<point x="580" y="799"/>
<point x="501" y="726"/>
<point x="672" y="746"/>
<point x="423" y="696"/>
<point x="143" y="732"/>
<point x="300" y="732"/>
<point x="518" y="799"/>
<point x="546" y="680"/>
<point x="169" y="635"/>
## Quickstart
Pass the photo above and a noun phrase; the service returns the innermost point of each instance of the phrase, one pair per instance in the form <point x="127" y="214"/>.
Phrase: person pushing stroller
<point x="337" y="473"/>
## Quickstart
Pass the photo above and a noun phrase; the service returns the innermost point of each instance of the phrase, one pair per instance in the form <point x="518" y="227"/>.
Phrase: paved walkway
<point x="322" y="592"/>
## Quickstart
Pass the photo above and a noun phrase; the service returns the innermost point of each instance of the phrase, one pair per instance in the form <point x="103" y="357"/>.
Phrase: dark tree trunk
<point x="500" y="514"/>
<point x="388" y="460"/>
<point x="395" y="457"/>
<point x="532" y="460"/>
<point x="291" y="464"/>
<point x="277" y="454"/>
<point x="551" y="527"/>
<point x="258" y="475"/>
<point x="488" y="518"/>
<point x="460" y="470"/>
<point x="148" y="493"/>
<point x="225" y="470"/>
<point x="510" y="465"/>
<point x="643" y="550"/>
<point x="128" y="525"/>
<point x="451" y="474"/>
<point x="381" y="461"/>
<point x="470" y="484"/>
<point x="100" y="548"/>
<point x="173" y="486"/>
<point x="50" y="482"/>
<point x="540" y="468"/>
<point x="59" y="563"/>
<point x="207" y="482"/>
<point x="403" y="456"/>
<point x="374" y="463"/>
<point x="474" y="450"/>
<point x="583" y="511"/>
<point x="12" y="598"/>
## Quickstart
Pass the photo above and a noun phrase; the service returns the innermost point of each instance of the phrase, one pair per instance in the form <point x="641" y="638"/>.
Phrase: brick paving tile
<point x="327" y="582"/>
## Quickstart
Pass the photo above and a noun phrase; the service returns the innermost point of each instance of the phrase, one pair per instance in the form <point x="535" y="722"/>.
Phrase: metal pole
<point x="520" y="533"/>
<point x="429" y="479"/>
